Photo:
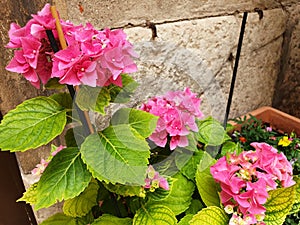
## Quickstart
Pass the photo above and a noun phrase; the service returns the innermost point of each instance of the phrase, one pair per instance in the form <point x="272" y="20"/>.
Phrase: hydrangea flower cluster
<point x="177" y="112"/>
<point x="93" y="57"/>
<point x="154" y="180"/>
<point x="246" y="178"/>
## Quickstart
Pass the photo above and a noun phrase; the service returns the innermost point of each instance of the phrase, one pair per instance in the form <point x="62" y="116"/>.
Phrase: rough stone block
<point x="117" y="13"/>
<point x="197" y="54"/>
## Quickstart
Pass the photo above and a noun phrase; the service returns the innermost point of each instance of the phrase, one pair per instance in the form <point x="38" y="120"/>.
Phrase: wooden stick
<point x="64" y="45"/>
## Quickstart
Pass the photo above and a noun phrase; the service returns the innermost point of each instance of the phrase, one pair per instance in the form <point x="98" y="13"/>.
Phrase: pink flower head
<point x="15" y="34"/>
<point x="40" y="168"/>
<point x="269" y="129"/>
<point x="57" y="150"/>
<point x="245" y="180"/>
<point x="93" y="57"/>
<point x="177" y="113"/>
<point x="154" y="180"/>
<point x="42" y="21"/>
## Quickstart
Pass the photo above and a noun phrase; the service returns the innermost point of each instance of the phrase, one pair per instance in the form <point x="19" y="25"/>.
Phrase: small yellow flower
<point x="284" y="141"/>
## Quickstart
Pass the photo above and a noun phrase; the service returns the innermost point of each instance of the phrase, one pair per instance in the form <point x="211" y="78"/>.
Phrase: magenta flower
<point x="15" y="34"/>
<point x="93" y="57"/>
<point x="177" y="112"/>
<point x="42" y="21"/>
<point x="19" y="64"/>
<point x="245" y="180"/>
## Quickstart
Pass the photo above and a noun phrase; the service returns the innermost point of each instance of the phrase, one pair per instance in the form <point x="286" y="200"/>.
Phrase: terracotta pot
<point x="277" y="119"/>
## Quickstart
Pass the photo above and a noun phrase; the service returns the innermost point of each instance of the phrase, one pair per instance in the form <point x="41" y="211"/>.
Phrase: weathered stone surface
<point x="117" y="13"/>
<point x="196" y="54"/>
<point x="287" y="96"/>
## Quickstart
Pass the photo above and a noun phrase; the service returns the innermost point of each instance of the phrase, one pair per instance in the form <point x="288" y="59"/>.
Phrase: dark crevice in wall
<point x="286" y="96"/>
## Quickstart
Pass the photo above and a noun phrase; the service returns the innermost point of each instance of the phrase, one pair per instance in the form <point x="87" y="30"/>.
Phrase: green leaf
<point x="107" y="219"/>
<point x="59" y="219"/>
<point x="123" y="94"/>
<point x="74" y="137"/>
<point x="211" y="215"/>
<point x="279" y="204"/>
<point x="195" y="207"/>
<point x="296" y="206"/>
<point x="93" y="98"/>
<point x="180" y="196"/>
<point x="53" y="83"/>
<point x="32" y="124"/>
<point x="117" y="148"/>
<point x="144" y="123"/>
<point x="169" y="162"/>
<point x="30" y="195"/>
<point x="88" y="219"/>
<point x="64" y="99"/>
<point x="160" y="194"/>
<point x="65" y="177"/>
<point x="83" y="203"/>
<point x="204" y="180"/>
<point x="126" y="190"/>
<point x="151" y="214"/>
<point x="186" y="219"/>
<point x="231" y="147"/>
<point x="189" y="170"/>
<point x="211" y="132"/>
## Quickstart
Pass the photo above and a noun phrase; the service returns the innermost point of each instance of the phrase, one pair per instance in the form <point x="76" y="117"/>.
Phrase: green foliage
<point x="231" y="147"/>
<point x="117" y="148"/>
<point x="169" y="162"/>
<point x="93" y="98"/>
<point x="108" y="204"/>
<point x="32" y="124"/>
<point x="65" y="177"/>
<point x="59" y="219"/>
<point x="161" y="194"/>
<point x="83" y="203"/>
<point x="126" y="190"/>
<point x="144" y="123"/>
<point x="151" y="214"/>
<point x="180" y="196"/>
<point x="195" y="207"/>
<point x="186" y="219"/>
<point x="204" y="180"/>
<point x="296" y="206"/>
<point x="122" y="95"/>
<point x="63" y="99"/>
<point x="190" y="168"/>
<point x="53" y="83"/>
<point x="279" y="204"/>
<point x="30" y="195"/>
<point x="211" y="215"/>
<point x="107" y="219"/>
<point x="211" y="132"/>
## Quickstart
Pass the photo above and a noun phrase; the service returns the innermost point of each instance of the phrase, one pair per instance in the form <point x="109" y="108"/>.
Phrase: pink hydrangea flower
<point x="93" y="57"/>
<point x="40" y="168"/>
<point x="177" y="113"/>
<point x="154" y="180"/>
<point x="245" y="180"/>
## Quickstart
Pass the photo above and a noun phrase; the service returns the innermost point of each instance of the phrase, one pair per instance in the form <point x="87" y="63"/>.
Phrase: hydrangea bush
<point x="150" y="165"/>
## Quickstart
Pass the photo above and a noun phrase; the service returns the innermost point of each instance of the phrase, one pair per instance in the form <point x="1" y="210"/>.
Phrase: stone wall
<point x="287" y="97"/>
<point x="195" y="46"/>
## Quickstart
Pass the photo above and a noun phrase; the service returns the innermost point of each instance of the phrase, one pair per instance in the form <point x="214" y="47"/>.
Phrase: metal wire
<point x="235" y="69"/>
